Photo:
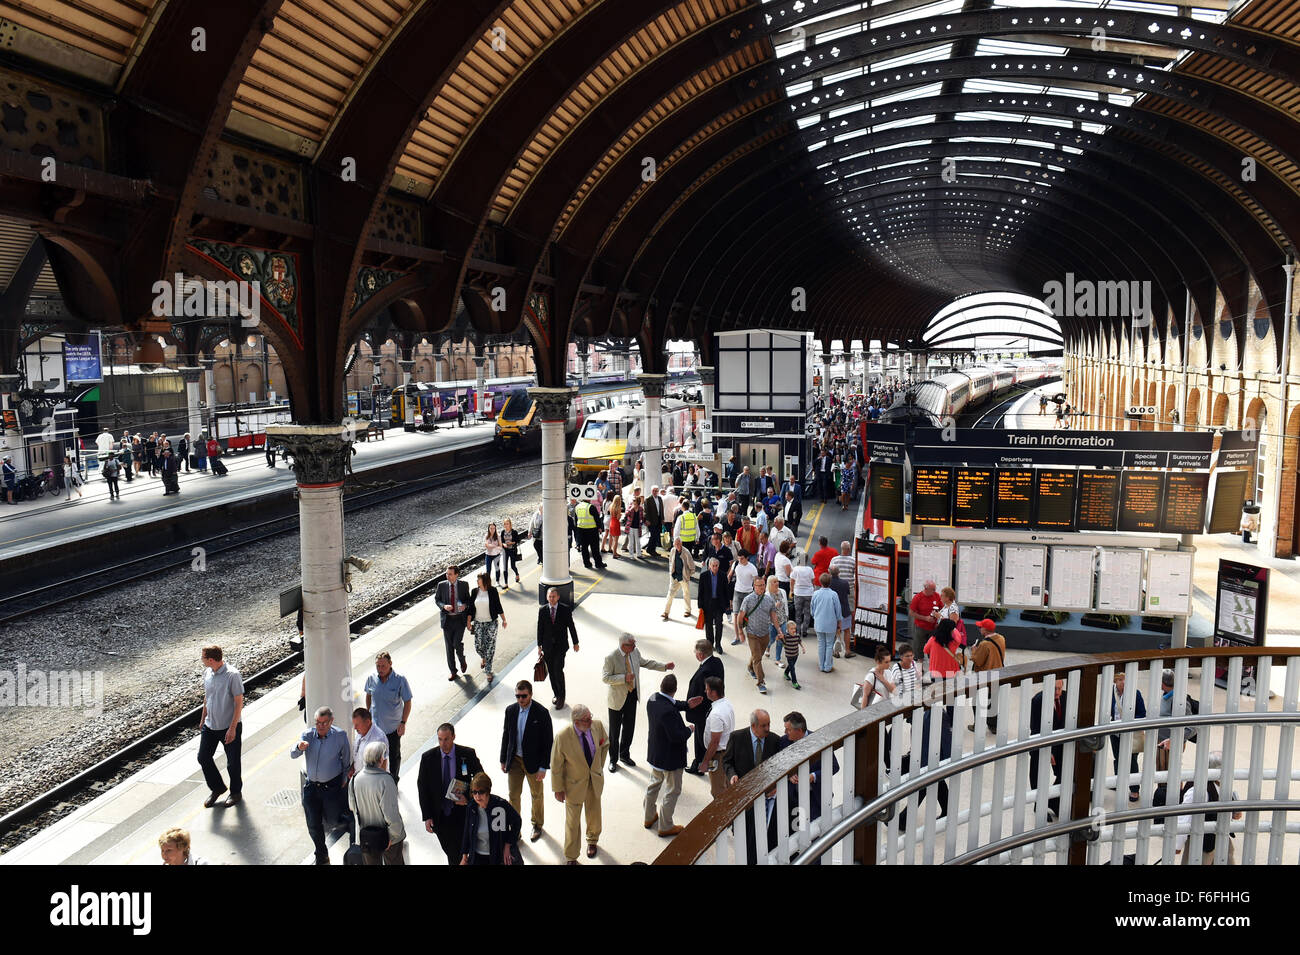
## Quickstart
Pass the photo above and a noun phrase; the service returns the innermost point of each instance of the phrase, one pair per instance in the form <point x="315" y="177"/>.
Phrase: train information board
<point x="1024" y="575"/>
<point x="1070" y="585"/>
<point x="1169" y="582"/>
<point x="1098" y="501"/>
<point x="1054" y="494"/>
<point x="931" y="560"/>
<point x="972" y="499"/>
<point x="1119" y="580"/>
<point x="1229" y="494"/>
<point x="1013" y="498"/>
<point x="1184" y="504"/>
<point x="887" y="491"/>
<point x="1140" y="496"/>
<point x="977" y="572"/>
<point x="932" y="495"/>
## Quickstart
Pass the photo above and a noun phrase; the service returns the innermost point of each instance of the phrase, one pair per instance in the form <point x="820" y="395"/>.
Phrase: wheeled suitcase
<point x="219" y="467"/>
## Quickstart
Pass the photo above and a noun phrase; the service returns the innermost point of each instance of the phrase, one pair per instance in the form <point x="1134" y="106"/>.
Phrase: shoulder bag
<point x="353" y="855"/>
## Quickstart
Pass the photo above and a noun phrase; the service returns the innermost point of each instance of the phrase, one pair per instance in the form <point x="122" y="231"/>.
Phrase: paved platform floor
<point x="34" y="525"/>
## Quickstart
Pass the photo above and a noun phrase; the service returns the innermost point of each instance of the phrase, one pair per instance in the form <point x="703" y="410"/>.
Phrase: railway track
<point x="55" y="593"/>
<point x="43" y="810"/>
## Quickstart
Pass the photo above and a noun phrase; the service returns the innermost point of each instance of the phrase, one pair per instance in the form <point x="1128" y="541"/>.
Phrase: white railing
<point x="881" y="773"/>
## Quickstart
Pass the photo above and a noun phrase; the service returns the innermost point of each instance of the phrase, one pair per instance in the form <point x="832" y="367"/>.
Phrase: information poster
<point x="887" y="492"/>
<point x="1229" y="494"/>
<point x="1169" y="583"/>
<point x="1119" y="580"/>
<point x="1140" y="496"/>
<point x="1054" y="493"/>
<point x="1241" y="604"/>
<point x="1183" y="511"/>
<point x="977" y="573"/>
<point x="873" y="615"/>
<point x="932" y="496"/>
<point x="1024" y="575"/>
<point x="931" y="560"/>
<point x="1098" y="501"/>
<point x="972" y="497"/>
<point x="1071" y="578"/>
<point x="1013" y="500"/>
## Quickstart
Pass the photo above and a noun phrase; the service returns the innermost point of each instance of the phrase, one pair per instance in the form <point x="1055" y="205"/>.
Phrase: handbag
<point x="353" y="855"/>
<point x="539" y="672"/>
<point x="699" y="621"/>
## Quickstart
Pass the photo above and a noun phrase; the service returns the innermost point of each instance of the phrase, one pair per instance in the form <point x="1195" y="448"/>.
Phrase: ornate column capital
<point x="190" y="374"/>
<point x="708" y="375"/>
<point x="406" y="364"/>
<point x="653" y="385"/>
<point x="480" y="362"/>
<point x="552" y="403"/>
<point x="321" y="453"/>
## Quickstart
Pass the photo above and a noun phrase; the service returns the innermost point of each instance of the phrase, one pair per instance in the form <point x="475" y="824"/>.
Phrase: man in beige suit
<point x="577" y="777"/>
<point x="622" y="674"/>
<point x="681" y="570"/>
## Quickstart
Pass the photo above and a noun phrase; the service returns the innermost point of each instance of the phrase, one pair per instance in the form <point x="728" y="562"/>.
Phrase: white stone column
<point x="584" y="362"/>
<point x="708" y="378"/>
<point x="480" y="381"/>
<point x="191" y="375"/>
<point x="651" y="439"/>
<point x="553" y="411"/>
<point x="209" y="368"/>
<point x="319" y="456"/>
<point x="406" y="364"/>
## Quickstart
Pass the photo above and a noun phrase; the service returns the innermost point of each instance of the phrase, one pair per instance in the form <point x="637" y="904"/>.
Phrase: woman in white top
<point x="950" y="610"/>
<point x="876" y="685"/>
<point x="492" y="546"/>
<point x="802" y="589"/>
<point x="485" y="613"/>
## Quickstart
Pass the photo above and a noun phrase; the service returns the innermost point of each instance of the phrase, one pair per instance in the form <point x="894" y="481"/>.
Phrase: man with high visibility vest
<point x="588" y="535"/>
<point x="687" y="530"/>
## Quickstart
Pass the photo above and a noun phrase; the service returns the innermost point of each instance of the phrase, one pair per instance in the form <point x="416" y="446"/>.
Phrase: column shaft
<point x="553" y="410"/>
<point x="708" y="379"/>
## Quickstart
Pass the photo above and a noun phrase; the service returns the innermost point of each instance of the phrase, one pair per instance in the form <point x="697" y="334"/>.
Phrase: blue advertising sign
<point x="82" y="362"/>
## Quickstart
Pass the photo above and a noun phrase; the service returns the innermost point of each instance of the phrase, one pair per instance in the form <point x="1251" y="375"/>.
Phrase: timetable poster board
<point x="1098" y="501"/>
<point x="1054" y="494"/>
<point x="874" y="620"/>
<point x="930" y="560"/>
<point x="1071" y="578"/>
<point x="1119" y="580"/>
<point x="1241" y="604"/>
<point x="972" y="499"/>
<point x="1183" y="511"/>
<point x="1229" y="495"/>
<point x="1169" y="583"/>
<point x="977" y="572"/>
<point x="1140" y="497"/>
<point x="887" y="492"/>
<point x="932" y="495"/>
<point x="1013" y="498"/>
<point x="1024" y="575"/>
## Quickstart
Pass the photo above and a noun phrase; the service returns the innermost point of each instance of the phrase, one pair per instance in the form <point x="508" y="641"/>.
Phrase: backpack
<point x="535" y="526"/>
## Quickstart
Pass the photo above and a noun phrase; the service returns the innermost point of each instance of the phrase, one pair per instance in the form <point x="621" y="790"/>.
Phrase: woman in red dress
<point x="942" y="649"/>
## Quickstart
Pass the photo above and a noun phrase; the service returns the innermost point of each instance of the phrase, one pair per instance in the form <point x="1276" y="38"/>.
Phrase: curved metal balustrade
<point x="888" y="765"/>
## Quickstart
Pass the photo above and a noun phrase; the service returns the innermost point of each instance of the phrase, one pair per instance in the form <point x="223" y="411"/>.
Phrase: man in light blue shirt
<point x="324" y="787"/>
<point x="826" y="621"/>
<point x="388" y="697"/>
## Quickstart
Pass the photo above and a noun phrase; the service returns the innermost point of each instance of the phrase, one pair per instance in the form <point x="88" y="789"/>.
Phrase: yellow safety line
<point x="813" y="529"/>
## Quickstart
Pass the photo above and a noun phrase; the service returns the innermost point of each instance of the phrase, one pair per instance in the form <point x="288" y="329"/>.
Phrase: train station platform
<point x="121" y="826"/>
<point x="49" y="522"/>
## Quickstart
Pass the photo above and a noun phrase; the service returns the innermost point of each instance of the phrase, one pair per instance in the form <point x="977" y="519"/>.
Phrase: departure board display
<point x="1229" y="495"/>
<point x="972" y="498"/>
<point x="886" y="491"/>
<point x="1140" y="497"/>
<point x="1013" y="499"/>
<point x="1098" y="501"/>
<point x="1184" y="505"/>
<point x="1054" y="498"/>
<point x="932" y="496"/>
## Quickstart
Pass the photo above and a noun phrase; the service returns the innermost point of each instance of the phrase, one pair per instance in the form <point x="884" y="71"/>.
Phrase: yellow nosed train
<point x="618" y="435"/>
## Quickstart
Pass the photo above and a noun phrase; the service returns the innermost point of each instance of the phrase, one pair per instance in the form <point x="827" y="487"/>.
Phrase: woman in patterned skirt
<point x="485" y="613"/>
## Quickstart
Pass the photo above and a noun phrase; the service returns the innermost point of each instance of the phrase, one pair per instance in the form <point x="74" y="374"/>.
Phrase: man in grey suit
<point x="622" y="674"/>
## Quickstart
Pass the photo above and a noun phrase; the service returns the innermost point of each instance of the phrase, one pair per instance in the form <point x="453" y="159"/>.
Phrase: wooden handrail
<point x="701" y="833"/>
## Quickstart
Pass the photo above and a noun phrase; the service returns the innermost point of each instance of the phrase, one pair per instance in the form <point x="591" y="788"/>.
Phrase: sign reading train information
<point x="1180" y="449"/>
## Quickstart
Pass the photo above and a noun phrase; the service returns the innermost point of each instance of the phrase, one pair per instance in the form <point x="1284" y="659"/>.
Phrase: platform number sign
<point x="1141" y="411"/>
<point x="583" y="492"/>
<point x="810" y="429"/>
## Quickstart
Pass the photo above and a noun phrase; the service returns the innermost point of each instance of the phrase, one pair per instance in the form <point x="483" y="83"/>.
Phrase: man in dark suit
<point x="796" y="728"/>
<point x="438" y="767"/>
<point x="1057" y="752"/>
<point x="697" y="713"/>
<point x="554" y="629"/>
<point x="526" y="740"/>
<point x="654" y="518"/>
<point x="823" y="466"/>
<point x="714" y="596"/>
<point x="793" y="486"/>
<point x="666" y="754"/>
<point x="745" y="750"/>
<point x="453" y="609"/>
<point x="791" y="511"/>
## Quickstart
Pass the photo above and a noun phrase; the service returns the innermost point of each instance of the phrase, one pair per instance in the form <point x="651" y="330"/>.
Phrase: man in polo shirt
<point x="921" y="612"/>
<point x="324" y="784"/>
<point x="368" y="732"/>
<point x="223" y="704"/>
<point x="388" y="698"/>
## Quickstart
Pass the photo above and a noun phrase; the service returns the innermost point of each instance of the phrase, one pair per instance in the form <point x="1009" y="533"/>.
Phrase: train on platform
<point x="435" y="402"/>
<point x="616" y="435"/>
<point x="929" y="402"/>
<point x="518" y="428"/>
